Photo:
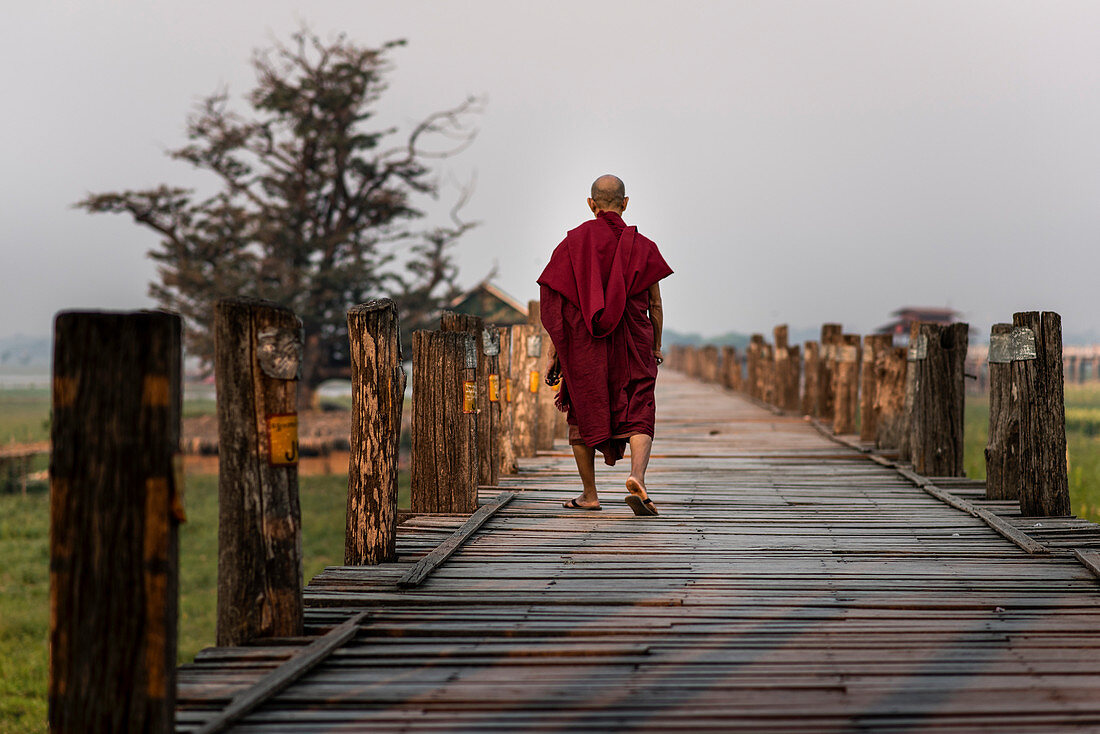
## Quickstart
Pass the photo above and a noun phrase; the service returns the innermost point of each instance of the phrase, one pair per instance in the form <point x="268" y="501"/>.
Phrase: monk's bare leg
<point x="586" y="467"/>
<point x="640" y="447"/>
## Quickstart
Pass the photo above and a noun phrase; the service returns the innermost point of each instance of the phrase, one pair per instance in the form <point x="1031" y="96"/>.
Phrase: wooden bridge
<point x="791" y="583"/>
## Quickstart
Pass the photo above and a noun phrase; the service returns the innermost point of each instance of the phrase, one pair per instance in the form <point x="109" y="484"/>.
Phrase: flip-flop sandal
<point x="642" y="508"/>
<point x="574" y="505"/>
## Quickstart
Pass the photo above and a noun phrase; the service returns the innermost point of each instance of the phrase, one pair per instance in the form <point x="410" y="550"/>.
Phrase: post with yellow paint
<point x="257" y="358"/>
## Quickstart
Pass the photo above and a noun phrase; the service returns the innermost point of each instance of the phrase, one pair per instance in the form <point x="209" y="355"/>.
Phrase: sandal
<point x="574" y="505"/>
<point x="641" y="507"/>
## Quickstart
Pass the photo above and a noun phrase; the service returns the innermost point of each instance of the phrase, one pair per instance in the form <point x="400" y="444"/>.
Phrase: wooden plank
<point x="281" y="677"/>
<point x="424" y="567"/>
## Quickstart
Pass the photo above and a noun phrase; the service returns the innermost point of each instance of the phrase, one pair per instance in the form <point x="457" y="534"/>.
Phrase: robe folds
<point x="595" y="306"/>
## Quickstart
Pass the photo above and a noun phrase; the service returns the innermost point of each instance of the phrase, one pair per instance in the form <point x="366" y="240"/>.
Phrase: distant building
<point x="903" y="317"/>
<point x="490" y="303"/>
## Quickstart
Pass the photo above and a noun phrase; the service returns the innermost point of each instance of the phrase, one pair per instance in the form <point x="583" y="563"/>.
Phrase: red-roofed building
<point x="903" y="317"/>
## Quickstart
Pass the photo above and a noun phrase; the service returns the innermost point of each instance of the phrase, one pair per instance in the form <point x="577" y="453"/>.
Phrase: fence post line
<point x="912" y="377"/>
<point x="889" y="407"/>
<point x="868" y="416"/>
<point x="507" y="458"/>
<point x="377" y="399"/>
<point x="845" y="383"/>
<point x="1002" y="469"/>
<point x="937" y="443"/>
<point x="527" y="347"/>
<point x="826" y="399"/>
<point x="114" y="512"/>
<point x="257" y="357"/>
<point x="488" y="403"/>
<point x="731" y="368"/>
<point x="545" y="429"/>
<point x="1037" y="376"/>
<point x="444" y="422"/>
<point x="811" y="373"/>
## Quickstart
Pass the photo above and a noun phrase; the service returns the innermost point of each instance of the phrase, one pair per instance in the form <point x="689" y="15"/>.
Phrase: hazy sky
<point x="795" y="161"/>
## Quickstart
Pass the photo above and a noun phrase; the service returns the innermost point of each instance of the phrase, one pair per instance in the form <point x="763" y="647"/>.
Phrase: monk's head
<point x="608" y="195"/>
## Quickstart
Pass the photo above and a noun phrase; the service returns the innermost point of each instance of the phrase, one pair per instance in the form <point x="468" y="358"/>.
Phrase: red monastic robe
<point x="595" y="306"/>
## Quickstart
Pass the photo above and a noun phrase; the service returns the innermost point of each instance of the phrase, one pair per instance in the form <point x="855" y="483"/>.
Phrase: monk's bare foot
<point x="636" y="488"/>
<point x="580" y="503"/>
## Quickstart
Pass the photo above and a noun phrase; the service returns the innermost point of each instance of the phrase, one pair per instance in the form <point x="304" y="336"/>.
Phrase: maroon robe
<point x="595" y="305"/>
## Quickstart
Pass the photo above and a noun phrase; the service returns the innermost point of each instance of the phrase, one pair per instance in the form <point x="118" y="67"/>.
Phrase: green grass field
<point x="24" y="536"/>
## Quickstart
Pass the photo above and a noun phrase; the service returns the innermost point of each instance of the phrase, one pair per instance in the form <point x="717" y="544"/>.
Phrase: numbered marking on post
<point x="491" y="339"/>
<point x="471" y="353"/>
<point x="534" y="387"/>
<point x="919" y="349"/>
<point x="1017" y="345"/>
<point x="282" y="435"/>
<point x="469" y="396"/>
<point x="847" y="353"/>
<point x="494" y="388"/>
<point x="279" y="352"/>
<point x="534" y="345"/>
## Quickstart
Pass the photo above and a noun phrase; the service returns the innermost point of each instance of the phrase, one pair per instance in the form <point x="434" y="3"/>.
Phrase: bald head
<point x="608" y="194"/>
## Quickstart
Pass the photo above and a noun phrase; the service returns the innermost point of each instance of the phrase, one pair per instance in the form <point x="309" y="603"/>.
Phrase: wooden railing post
<point x="711" y="366"/>
<point x="488" y="403"/>
<point x="891" y="366"/>
<point x="912" y="376"/>
<point x="812" y="375"/>
<point x="544" y="398"/>
<point x="868" y="414"/>
<point x="731" y="368"/>
<point x="1002" y="468"/>
<point x="756" y="366"/>
<point x="527" y="348"/>
<point x="114" y="556"/>
<point x="377" y="398"/>
<point x="845" y="383"/>
<point x="937" y="441"/>
<point x="1037" y="376"/>
<point x="444" y="422"/>
<point x="826" y="399"/>
<point x="257" y="357"/>
<point x="506" y="388"/>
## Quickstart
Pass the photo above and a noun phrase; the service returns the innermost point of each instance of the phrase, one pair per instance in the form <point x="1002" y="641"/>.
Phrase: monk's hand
<point x="657" y="355"/>
<point x="553" y="375"/>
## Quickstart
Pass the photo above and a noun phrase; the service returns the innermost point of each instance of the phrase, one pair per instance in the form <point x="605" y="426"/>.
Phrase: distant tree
<point x="312" y="209"/>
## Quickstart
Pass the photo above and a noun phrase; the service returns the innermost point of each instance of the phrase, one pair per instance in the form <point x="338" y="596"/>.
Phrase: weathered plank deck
<point x="790" y="584"/>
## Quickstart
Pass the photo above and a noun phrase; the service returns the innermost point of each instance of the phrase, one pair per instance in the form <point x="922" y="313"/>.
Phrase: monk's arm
<point x="656" y="317"/>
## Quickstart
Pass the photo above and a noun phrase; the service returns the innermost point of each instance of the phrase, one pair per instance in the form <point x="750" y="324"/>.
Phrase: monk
<point x="601" y="304"/>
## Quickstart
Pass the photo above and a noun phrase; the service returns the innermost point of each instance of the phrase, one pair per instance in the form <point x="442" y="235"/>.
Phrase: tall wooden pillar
<point x="114" y="511"/>
<point x="937" y="438"/>
<point x="1002" y="461"/>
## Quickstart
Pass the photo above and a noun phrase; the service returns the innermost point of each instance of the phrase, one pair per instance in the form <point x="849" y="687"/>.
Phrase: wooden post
<point x="114" y="512"/>
<point x="1002" y="467"/>
<point x="912" y="375"/>
<point x="444" y="422"/>
<point x="257" y="357"/>
<point x="507" y="459"/>
<point x="793" y="379"/>
<point x="710" y="366"/>
<point x="937" y="441"/>
<point x="756" y="366"/>
<point x="1044" y="485"/>
<point x="868" y="416"/>
<point x="544" y="398"/>
<point x="845" y="383"/>
<point x="811" y="373"/>
<point x="731" y="368"/>
<point x="377" y="398"/>
<point x="527" y="348"/>
<point x="826" y="400"/>
<point x="488" y="403"/>
<point x="889" y="408"/>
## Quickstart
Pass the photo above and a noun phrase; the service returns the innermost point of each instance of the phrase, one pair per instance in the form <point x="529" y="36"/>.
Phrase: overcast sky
<point x="796" y="162"/>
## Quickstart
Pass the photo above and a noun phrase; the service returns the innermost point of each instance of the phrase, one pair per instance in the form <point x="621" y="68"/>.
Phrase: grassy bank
<point x="1082" y="443"/>
<point x="24" y="580"/>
